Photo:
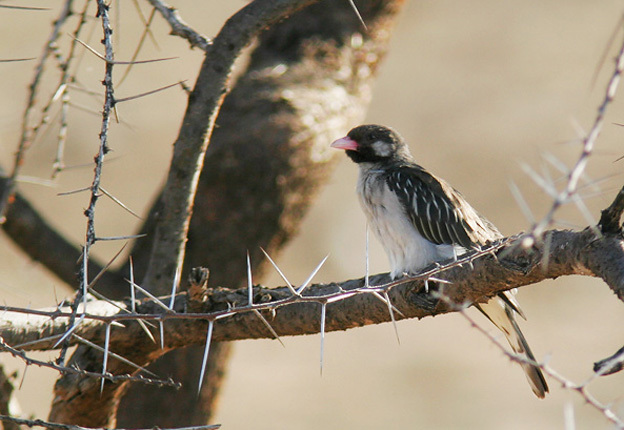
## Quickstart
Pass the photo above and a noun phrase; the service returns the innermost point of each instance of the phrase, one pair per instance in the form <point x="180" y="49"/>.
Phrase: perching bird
<point x="420" y="219"/>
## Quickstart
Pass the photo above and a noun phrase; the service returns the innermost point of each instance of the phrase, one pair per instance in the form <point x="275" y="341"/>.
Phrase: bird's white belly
<point x="407" y="250"/>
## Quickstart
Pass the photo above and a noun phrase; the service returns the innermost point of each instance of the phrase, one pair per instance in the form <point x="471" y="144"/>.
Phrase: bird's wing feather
<point x="435" y="209"/>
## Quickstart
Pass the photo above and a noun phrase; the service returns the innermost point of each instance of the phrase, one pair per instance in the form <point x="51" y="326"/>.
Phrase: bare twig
<point x="179" y="27"/>
<point x="71" y="370"/>
<point x="566" y="383"/>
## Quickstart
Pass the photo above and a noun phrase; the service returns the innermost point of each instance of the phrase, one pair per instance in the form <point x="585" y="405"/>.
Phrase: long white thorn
<point x="151" y="296"/>
<point x="323" y="309"/>
<point x="555" y="162"/>
<point x="394" y="324"/>
<point x="441" y="281"/>
<point x="249" y="282"/>
<point x="205" y="359"/>
<point x="288" y="284"/>
<point x="582" y="207"/>
<point x="146" y="330"/>
<point x="70" y="331"/>
<point x="312" y="275"/>
<point x="105" y="361"/>
<point x="547" y="187"/>
<point x="268" y="326"/>
<point x="104" y="269"/>
<point x="133" y="302"/>
<point x="357" y="12"/>
<point x="162" y="334"/>
<point x="174" y="287"/>
<point x="132" y="292"/>
<point x="394" y="308"/>
<point x="112" y="354"/>
<point x="521" y="202"/>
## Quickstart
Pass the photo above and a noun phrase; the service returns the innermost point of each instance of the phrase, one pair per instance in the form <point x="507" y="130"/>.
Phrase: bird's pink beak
<point x="345" y="143"/>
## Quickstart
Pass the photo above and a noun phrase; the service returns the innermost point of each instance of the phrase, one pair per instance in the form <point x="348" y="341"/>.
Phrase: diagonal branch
<point x="190" y="146"/>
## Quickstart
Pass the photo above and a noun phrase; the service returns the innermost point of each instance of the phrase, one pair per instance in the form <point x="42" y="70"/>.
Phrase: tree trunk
<point x="308" y="81"/>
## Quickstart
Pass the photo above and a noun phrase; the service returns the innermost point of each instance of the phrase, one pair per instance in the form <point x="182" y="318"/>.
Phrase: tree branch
<point x="349" y="303"/>
<point x="179" y="27"/>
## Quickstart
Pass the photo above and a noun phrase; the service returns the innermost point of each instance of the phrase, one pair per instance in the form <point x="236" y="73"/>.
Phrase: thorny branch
<point x="474" y="278"/>
<point x="103" y="148"/>
<point x="589" y="141"/>
<point x="582" y="389"/>
<point x="71" y="370"/>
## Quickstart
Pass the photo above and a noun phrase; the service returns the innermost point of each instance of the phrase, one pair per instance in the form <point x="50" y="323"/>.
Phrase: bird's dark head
<point x="372" y="144"/>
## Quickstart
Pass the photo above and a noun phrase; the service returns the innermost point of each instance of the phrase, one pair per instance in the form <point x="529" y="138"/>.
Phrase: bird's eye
<point x="371" y="136"/>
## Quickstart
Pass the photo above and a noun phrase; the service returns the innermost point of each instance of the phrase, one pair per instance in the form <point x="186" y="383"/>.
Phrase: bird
<point x="420" y="219"/>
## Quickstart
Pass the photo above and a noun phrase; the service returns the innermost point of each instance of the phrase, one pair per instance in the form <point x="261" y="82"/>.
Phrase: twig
<point x="179" y="27"/>
<point x="70" y="370"/>
<point x="99" y="160"/>
<point x="606" y="411"/>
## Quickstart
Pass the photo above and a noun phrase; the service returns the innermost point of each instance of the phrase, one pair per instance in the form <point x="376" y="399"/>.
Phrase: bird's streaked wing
<point x="430" y="208"/>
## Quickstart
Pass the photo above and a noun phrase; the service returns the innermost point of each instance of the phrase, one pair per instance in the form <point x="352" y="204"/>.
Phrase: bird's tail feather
<point x="498" y="311"/>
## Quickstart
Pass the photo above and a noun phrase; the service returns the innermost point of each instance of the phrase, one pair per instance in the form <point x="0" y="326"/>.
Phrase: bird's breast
<point x="407" y="250"/>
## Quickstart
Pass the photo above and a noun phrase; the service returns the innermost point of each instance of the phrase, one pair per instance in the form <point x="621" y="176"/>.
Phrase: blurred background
<point x="478" y="89"/>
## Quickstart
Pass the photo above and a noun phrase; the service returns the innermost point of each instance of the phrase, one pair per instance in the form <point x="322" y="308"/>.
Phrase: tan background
<point x="478" y="88"/>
